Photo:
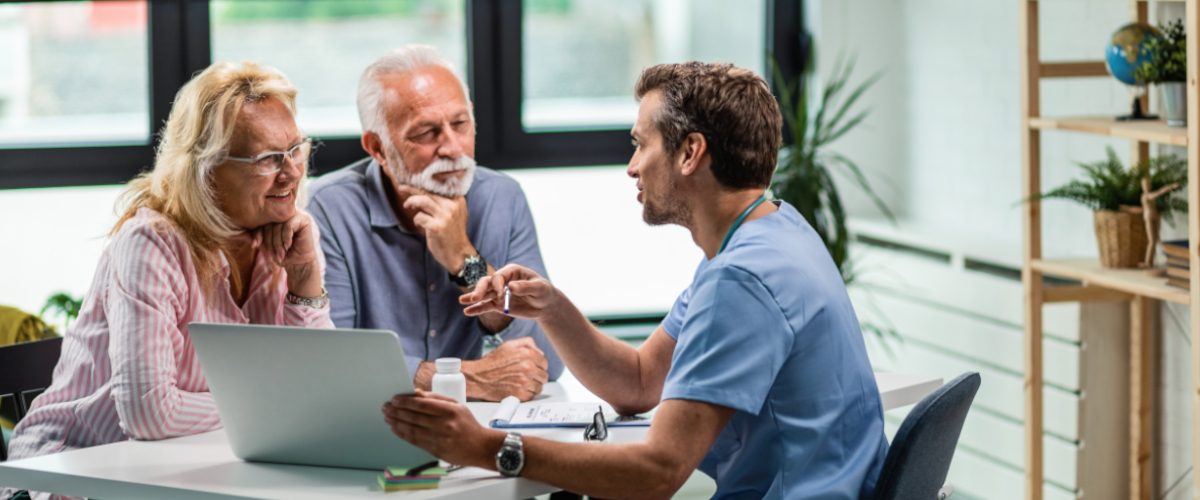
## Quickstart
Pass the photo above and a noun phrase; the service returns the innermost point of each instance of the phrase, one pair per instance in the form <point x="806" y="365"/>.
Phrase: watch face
<point x="474" y="270"/>
<point x="509" y="460"/>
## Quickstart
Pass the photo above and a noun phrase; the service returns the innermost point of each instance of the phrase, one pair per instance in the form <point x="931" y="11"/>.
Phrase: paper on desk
<point x="512" y="413"/>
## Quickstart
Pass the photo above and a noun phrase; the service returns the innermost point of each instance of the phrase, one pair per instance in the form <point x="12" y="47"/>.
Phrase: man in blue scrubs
<point x="760" y="367"/>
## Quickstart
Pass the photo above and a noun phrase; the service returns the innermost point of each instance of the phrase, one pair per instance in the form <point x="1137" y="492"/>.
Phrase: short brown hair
<point x="732" y="107"/>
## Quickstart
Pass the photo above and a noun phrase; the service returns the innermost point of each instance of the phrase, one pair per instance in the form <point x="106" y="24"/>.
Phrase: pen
<point x="507" y="296"/>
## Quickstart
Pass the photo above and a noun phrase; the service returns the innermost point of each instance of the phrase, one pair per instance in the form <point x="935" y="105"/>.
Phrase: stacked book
<point x="424" y="477"/>
<point x="1178" y="265"/>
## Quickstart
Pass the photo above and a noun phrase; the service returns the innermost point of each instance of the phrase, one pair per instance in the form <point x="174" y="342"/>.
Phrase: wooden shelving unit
<point x="1152" y="131"/>
<point x="1102" y="284"/>
<point x="1132" y="282"/>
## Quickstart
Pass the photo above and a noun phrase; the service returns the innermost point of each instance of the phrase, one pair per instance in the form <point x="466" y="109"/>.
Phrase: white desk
<point x="202" y="467"/>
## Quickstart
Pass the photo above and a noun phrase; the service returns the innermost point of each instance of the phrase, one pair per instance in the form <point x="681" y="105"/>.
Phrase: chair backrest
<point x="919" y="458"/>
<point x="24" y="368"/>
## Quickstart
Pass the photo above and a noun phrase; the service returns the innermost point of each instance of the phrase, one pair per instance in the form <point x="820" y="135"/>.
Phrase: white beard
<point x="454" y="186"/>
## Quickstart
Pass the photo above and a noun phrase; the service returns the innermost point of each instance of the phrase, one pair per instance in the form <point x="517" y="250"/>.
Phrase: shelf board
<point x="1150" y="131"/>
<point x="1133" y="281"/>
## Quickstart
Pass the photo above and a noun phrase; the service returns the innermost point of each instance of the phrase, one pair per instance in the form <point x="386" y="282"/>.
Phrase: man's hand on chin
<point x="444" y="222"/>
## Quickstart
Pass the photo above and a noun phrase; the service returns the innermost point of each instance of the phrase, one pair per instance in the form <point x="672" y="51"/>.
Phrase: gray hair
<point x="399" y="61"/>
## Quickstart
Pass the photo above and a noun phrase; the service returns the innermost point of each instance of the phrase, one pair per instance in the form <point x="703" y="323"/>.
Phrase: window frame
<point x="179" y="45"/>
<point x="502" y="141"/>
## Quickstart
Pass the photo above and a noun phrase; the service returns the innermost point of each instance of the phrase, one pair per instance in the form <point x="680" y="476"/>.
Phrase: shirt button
<point x="432" y="286"/>
<point x="433" y="333"/>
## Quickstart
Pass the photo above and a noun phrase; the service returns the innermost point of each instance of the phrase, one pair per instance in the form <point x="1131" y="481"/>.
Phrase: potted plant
<point x="804" y="176"/>
<point x="1168" y="68"/>
<point x="1114" y="193"/>
<point x="61" y="304"/>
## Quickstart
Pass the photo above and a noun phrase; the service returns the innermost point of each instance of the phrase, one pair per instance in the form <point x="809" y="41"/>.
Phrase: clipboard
<point x="513" y="414"/>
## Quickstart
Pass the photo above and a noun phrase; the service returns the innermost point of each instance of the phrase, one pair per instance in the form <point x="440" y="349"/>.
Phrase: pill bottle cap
<point x="449" y="365"/>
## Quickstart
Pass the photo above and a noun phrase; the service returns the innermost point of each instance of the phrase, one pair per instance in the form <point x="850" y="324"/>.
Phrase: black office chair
<point x="25" y="368"/>
<point x="919" y="459"/>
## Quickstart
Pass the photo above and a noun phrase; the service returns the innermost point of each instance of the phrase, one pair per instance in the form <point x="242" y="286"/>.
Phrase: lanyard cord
<point x="738" y="223"/>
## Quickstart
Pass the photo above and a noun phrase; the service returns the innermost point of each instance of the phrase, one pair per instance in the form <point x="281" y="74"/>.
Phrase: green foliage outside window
<point x="547" y="6"/>
<point x="252" y="10"/>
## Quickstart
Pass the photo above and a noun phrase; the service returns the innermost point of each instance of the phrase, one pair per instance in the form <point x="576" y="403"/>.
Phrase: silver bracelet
<point x="317" y="302"/>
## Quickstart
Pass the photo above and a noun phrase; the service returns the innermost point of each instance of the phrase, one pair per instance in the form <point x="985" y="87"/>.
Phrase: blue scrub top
<point x="766" y="328"/>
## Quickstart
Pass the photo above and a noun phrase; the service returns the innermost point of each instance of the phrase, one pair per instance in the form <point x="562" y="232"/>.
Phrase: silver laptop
<point x="307" y="396"/>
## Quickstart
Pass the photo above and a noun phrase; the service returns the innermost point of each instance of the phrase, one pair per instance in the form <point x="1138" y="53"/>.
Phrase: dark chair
<point x="25" y="368"/>
<point x="919" y="459"/>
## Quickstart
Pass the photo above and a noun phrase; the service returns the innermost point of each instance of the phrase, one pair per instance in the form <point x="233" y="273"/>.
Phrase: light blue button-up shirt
<point x="766" y="328"/>
<point x="380" y="276"/>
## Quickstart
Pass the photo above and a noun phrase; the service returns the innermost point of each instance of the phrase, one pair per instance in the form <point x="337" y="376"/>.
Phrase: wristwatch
<point x="474" y="269"/>
<point x="317" y="302"/>
<point x="511" y="458"/>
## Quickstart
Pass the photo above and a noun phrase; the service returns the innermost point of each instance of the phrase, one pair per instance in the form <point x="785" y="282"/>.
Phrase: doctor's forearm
<point x="494" y="322"/>
<point x="606" y="366"/>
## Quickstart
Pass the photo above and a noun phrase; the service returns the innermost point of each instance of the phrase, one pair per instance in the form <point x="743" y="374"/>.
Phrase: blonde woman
<point x="212" y="234"/>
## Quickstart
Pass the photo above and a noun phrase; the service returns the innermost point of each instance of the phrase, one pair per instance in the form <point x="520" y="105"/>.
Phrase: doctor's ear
<point x="692" y="152"/>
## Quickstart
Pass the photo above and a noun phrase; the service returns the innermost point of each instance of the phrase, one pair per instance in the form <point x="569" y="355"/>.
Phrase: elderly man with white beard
<point x="409" y="229"/>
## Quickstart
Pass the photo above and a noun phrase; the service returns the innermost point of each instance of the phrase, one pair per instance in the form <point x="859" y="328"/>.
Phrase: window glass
<point x="582" y="57"/>
<point x="73" y="73"/>
<point x="571" y="206"/>
<point x="323" y="46"/>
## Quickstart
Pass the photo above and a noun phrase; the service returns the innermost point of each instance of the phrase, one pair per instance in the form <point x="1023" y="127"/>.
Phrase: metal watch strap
<point x="512" y="449"/>
<point x="474" y="268"/>
<point x="317" y="302"/>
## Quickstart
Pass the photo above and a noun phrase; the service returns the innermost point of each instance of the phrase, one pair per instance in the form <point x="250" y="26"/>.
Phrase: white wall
<point x="947" y="130"/>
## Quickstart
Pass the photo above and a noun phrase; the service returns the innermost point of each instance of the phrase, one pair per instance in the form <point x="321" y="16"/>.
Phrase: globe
<point x="1124" y="51"/>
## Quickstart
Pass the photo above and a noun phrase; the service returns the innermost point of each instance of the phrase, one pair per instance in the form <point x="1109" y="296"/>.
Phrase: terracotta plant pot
<point x="1121" y="236"/>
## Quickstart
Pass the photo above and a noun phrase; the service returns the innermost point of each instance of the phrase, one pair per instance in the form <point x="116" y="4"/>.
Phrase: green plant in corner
<point x="805" y="173"/>
<point x="804" y="177"/>
<point x="1168" y="56"/>
<point x="1110" y="185"/>
<point x="63" y="305"/>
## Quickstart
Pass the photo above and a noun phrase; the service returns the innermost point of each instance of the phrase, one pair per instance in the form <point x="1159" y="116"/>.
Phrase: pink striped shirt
<point x="128" y="369"/>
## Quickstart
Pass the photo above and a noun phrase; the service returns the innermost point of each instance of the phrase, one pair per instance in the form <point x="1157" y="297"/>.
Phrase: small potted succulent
<point x="1116" y="196"/>
<point x="1167" y="67"/>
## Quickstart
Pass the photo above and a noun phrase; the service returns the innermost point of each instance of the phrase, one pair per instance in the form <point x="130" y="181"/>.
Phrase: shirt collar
<point x="378" y="207"/>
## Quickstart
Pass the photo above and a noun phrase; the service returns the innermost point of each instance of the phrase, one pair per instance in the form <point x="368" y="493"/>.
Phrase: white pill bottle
<point x="449" y="380"/>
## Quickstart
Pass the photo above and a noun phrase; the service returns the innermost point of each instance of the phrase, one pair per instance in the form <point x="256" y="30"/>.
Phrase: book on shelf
<point x="1178" y="265"/>
<point x="1175" y="248"/>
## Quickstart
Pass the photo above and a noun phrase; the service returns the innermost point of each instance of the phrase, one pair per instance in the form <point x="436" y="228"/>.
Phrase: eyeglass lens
<point x="273" y="162"/>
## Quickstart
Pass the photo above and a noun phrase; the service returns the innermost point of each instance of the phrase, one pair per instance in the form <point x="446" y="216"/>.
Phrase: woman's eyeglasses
<point x="272" y="161"/>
